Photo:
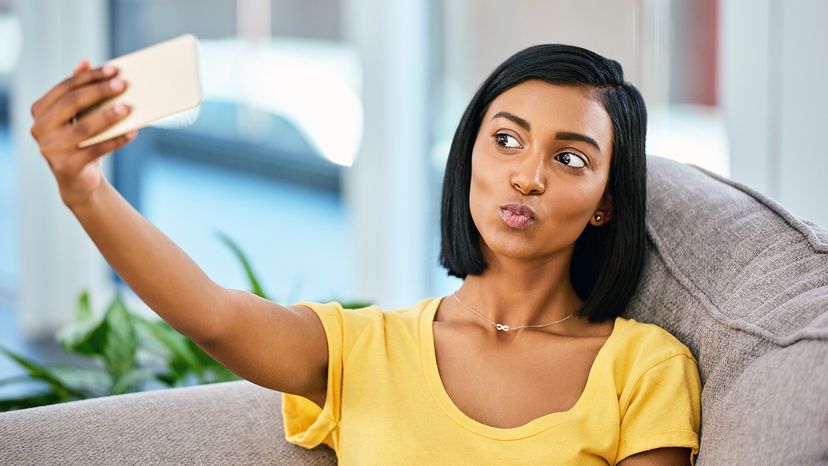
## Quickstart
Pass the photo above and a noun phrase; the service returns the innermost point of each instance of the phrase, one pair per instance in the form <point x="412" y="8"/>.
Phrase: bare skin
<point x="539" y="373"/>
<point x="527" y="282"/>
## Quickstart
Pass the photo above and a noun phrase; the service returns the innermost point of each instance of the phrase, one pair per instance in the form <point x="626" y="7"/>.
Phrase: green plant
<point x="129" y="352"/>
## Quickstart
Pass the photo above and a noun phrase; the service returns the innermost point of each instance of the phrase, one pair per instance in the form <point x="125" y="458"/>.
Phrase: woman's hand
<point x="78" y="171"/>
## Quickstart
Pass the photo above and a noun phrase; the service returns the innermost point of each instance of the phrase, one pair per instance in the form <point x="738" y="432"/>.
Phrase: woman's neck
<point x="518" y="293"/>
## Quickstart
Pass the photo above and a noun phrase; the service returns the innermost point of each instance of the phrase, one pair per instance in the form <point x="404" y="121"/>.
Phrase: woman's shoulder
<point x="366" y="313"/>
<point x="643" y="347"/>
<point x="649" y="341"/>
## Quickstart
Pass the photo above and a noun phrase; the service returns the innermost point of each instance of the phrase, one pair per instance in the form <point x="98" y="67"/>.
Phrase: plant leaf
<point x="44" y="374"/>
<point x="85" y="337"/>
<point x="47" y="397"/>
<point x="255" y="286"/>
<point x="84" y="311"/>
<point x="220" y="374"/>
<point x="355" y="304"/>
<point x="16" y="378"/>
<point x="132" y="381"/>
<point x="167" y="378"/>
<point x="181" y="357"/>
<point x="92" y="381"/>
<point x="120" y="342"/>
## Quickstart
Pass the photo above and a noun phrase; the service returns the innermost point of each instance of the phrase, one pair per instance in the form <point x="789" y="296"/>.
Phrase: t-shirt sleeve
<point x="305" y="423"/>
<point x="663" y="409"/>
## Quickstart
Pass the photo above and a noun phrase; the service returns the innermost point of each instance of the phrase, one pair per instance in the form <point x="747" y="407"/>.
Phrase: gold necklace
<point x="504" y="327"/>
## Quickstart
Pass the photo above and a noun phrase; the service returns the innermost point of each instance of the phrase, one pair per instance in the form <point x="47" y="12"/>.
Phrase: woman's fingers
<point x="66" y="86"/>
<point x="76" y="162"/>
<point x="81" y="99"/>
<point x="84" y="97"/>
<point x="67" y="138"/>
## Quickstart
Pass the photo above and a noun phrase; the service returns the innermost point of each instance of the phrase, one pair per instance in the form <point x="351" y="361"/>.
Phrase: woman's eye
<point x="567" y="157"/>
<point x="503" y="141"/>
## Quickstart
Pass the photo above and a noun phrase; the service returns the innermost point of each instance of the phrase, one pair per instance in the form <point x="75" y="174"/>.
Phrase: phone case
<point x="162" y="80"/>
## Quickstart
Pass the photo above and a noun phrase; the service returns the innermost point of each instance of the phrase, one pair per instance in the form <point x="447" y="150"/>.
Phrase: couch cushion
<point x="744" y="284"/>
<point x="224" y="423"/>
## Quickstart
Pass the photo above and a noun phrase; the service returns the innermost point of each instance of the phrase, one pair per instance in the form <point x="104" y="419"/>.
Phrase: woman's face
<point x="547" y="147"/>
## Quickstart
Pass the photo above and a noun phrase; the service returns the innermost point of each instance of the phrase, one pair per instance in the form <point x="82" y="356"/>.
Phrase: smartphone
<point x="162" y="80"/>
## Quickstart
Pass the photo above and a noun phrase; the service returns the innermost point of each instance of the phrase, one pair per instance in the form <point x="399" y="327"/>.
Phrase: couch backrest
<point x="744" y="284"/>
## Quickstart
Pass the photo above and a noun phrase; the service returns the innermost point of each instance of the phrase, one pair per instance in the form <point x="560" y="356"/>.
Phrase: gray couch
<point x="741" y="281"/>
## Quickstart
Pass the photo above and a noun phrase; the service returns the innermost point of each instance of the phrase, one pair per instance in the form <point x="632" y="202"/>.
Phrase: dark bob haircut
<point x="608" y="260"/>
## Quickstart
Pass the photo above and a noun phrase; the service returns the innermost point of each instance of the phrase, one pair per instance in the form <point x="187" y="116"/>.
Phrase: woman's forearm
<point x="156" y="269"/>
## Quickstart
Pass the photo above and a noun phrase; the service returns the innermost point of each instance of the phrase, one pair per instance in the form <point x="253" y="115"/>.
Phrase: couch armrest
<point x="225" y="423"/>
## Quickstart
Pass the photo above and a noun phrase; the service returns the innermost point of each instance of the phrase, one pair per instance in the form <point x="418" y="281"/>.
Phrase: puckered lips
<point x="517" y="215"/>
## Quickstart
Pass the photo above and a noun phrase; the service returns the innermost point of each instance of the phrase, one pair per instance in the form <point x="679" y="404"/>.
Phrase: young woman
<point x="530" y="361"/>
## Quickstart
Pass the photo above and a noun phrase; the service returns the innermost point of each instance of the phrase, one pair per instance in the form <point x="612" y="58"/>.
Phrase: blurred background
<point x="321" y="142"/>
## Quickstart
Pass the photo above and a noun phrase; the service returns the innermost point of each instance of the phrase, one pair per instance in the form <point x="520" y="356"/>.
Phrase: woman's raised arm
<point x="270" y="345"/>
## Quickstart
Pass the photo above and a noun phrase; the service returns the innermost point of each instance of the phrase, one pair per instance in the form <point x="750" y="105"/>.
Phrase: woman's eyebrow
<point x="570" y="136"/>
<point x="520" y="121"/>
<point x="563" y="135"/>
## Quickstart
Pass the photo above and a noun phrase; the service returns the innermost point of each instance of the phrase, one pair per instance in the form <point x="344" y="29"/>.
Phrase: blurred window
<point x="260" y="159"/>
<point x="10" y="43"/>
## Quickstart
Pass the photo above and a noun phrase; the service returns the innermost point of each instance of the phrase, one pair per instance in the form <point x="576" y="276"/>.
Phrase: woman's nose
<point x="530" y="177"/>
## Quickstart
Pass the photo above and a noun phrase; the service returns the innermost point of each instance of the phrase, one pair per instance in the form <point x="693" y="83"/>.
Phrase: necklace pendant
<point x="502" y="327"/>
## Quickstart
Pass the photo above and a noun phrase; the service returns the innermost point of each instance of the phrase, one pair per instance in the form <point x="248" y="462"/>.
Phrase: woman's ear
<point x="604" y="210"/>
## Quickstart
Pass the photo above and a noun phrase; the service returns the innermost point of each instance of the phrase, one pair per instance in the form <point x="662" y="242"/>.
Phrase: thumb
<point x="82" y="65"/>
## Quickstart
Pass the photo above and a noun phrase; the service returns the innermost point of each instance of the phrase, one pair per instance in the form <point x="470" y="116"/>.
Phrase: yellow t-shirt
<point x="386" y="403"/>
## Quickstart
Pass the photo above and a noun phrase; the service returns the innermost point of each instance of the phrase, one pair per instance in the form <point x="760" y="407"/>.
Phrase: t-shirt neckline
<point x="431" y="373"/>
